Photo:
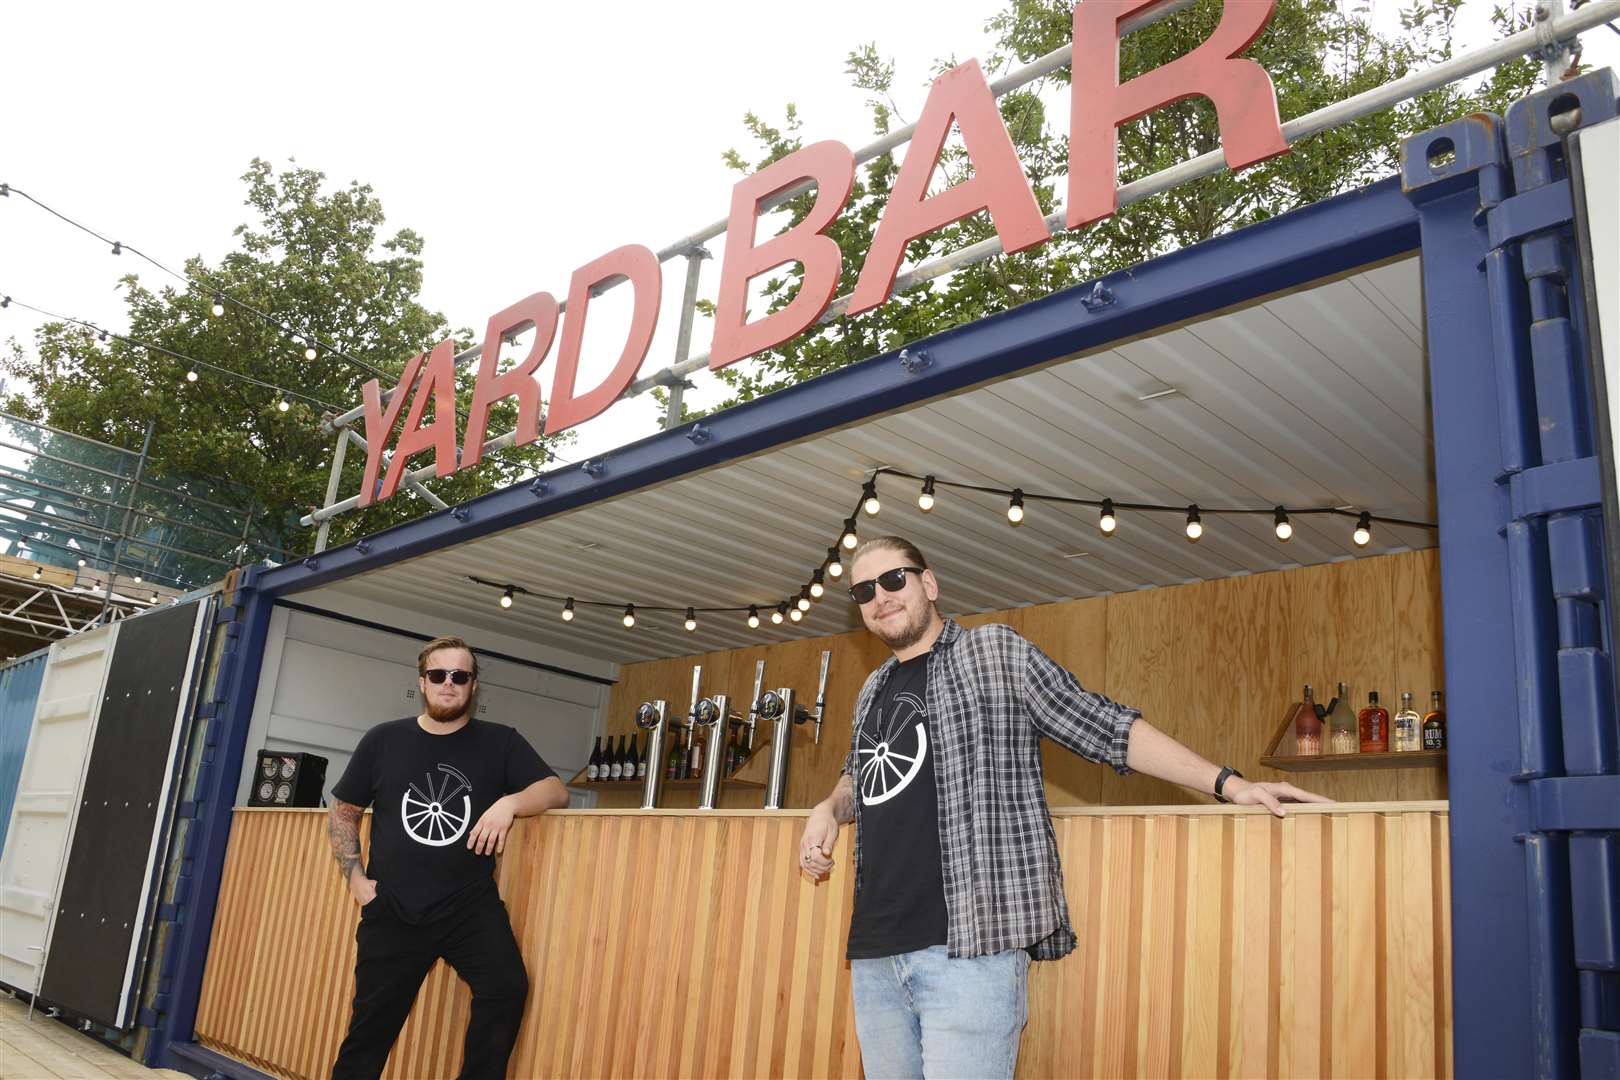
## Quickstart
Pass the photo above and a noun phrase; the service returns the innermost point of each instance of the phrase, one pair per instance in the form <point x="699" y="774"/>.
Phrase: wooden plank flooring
<point x="43" y="1049"/>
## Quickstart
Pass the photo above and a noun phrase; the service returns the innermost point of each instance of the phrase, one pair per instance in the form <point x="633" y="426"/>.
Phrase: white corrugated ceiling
<point x="1313" y="398"/>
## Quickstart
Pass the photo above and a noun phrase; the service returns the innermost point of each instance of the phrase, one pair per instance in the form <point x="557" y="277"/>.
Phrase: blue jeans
<point x="922" y="1014"/>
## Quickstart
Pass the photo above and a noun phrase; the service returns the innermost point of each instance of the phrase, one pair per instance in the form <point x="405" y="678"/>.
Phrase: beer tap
<point x="651" y="717"/>
<point x="780" y="707"/>
<point x="715" y="715"/>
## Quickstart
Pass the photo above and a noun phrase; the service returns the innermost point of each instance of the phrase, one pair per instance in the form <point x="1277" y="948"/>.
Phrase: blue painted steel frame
<point x="1535" y="894"/>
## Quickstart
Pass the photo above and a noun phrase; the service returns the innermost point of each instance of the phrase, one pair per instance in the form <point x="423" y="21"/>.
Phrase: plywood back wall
<point x="1215" y="664"/>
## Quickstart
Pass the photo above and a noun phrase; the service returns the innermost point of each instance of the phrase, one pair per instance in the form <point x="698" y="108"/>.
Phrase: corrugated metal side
<point x="19" y="693"/>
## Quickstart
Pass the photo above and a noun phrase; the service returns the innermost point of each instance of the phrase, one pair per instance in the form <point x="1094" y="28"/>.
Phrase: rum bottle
<point x="1374" y="722"/>
<point x="1434" y="724"/>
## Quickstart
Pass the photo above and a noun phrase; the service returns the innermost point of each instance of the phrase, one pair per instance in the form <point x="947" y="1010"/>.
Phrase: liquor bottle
<point x="594" y="767"/>
<point x="1404" y="727"/>
<point x="638" y="767"/>
<point x="1434" y="724"/>
<point x="1343" y="738"/>
<point x="1307" y="727"/>
<point x="695" y="772"/>
<point x="1374" y="723"/>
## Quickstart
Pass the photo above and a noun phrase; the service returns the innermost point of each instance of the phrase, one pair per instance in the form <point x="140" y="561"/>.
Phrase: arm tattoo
<point x="843" y="800"/>
<point x="343" y="830"/>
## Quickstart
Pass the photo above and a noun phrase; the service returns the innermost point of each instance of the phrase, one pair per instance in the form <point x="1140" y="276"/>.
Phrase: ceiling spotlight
<point x="1284" y="529"/>
<point x="1195" y="524"/>
<point x="925" y="497"/>
<point x="691" y="620"/>
<point x="1363" y="534"/>
<point x="568" y="610"/>
<point x="869" y="499"/>
<point x="817" y="589"/>
<point x="629" y="616"/>
<point x="1015" y="508"/>
<point x="218" y="308"/>
<point x="849" y="539"/>
<point x="191" y="376"/>
<point x="795" y="614"/>
<point x="1107" y="522"/>
<point x="777" y="615"/>
<point x="835" y="567"/>
<point x="506" y="597"/>
<point x="753" y="616"/>
<point x="282" y="405"/>
<point x="804" y="599"/>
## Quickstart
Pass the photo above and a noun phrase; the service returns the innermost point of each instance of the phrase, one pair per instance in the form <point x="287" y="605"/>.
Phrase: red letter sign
<point x="540" y="312"/>
<point x="640" y="265"/>
<point x="380" y="424"/>
<point x="832" y="166"/>
<point x="1245" y="101"/>
<point x="998" y="183"/>
<point x="438" y="386"/>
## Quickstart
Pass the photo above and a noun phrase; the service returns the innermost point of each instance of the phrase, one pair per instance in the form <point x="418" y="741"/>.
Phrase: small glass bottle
<point x="1374" y="723"/>
<point x="1307" y="727"/>
<point x="1434" y="724"/>
<point x="1344" y="737"/>
<point x="1404" y="727"/>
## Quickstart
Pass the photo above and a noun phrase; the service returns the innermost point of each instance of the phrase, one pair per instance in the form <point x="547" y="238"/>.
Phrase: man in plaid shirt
<point x="957" y="882"/>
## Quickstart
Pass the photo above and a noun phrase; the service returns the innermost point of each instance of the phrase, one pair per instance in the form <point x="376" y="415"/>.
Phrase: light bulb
<point x="795" y="614"/>
<point x="282" y="405"/>
<point x="1195" y="524"/>
<point x="191" y="376"/>
<point x="1363" y="534"/>
<point x="1015" y="508"/>
<point x="629" y="616"/>
<point x="568" y="610"/>
<point x="753" y="617"/>
<point x="925" y="497"/>
<point x="1108" y="522"/>
<point x="218" y="308"/>
<point x="817" y="589"/>
<point x="691" y="620"/>
<point x="849" y="539"/>
<point x="781" y="610"/>
<point x="506" y="597"/>
<point x="835" y="568"/>
<point x="869" y="499"/>
<point x="1284" y="529"/>
<point x="803" y="603"/>
<point x="309" y="352"/>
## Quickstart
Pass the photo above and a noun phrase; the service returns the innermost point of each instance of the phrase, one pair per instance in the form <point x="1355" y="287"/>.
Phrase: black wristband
<point x="1227" y="772"/>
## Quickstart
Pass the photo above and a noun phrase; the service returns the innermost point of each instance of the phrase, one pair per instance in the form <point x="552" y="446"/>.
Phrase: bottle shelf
<point x="1388" y="759"/>
<point x="669" y="785"/>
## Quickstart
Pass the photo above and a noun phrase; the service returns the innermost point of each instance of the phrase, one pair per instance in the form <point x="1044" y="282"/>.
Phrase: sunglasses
<point x="437" y="675"/>
<point x="892" y="581"/>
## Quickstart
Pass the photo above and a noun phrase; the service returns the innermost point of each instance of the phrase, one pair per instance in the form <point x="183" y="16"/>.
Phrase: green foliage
<point x="1316" y="51"/>
<point x="315" y="260"/>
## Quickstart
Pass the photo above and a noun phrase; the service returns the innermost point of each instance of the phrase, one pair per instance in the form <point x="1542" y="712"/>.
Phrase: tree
<point x="315" y="260"/>
<point x="1316" y="53"/>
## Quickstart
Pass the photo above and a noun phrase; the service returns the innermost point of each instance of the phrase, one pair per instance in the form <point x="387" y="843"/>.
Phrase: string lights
<point x="795" y="607"/>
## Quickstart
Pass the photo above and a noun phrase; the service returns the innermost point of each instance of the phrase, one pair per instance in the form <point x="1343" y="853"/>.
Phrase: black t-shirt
<point x="900" y="905"/>
<point x="427" y="791"/>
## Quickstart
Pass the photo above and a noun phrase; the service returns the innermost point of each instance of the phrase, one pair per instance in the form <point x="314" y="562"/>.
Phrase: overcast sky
<point x="521" y="141"/>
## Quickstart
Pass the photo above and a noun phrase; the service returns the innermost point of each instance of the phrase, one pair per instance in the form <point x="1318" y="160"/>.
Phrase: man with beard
<point x="445" y="787"/>
<point x="957" y="881"/>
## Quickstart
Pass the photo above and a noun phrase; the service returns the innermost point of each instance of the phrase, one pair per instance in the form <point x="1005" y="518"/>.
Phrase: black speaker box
<point x="284" y="778"/>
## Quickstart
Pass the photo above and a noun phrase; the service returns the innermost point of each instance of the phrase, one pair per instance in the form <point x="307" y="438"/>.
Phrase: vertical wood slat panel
<point x="1212" y="943"/>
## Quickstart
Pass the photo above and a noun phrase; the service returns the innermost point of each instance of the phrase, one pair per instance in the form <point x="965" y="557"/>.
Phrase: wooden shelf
<point x="669" y="785"/>
<point x="1389" y="759"/>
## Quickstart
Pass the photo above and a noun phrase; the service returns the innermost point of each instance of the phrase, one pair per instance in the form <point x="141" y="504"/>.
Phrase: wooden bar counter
<point x="674" y="943"/>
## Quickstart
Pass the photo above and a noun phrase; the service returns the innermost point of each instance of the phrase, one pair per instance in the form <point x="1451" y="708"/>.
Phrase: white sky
<point x="521" y="141"/>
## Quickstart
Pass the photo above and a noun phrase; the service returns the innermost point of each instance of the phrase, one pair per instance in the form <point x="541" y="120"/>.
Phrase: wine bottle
<point x="672" y="767"/>
<point x="594" y="767"/>
<point x="615" y="760"/>
<point x="695" y="771"/>
<point x="1434" y="724"/>
<point x="634" y="766"/>
<point x="627" y="765"/>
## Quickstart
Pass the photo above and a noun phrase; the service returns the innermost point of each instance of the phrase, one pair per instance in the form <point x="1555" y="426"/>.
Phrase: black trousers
<point x="395" y="956"/>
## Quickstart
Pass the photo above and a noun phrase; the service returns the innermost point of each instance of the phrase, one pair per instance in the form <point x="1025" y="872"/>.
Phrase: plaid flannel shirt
<point x="991" y="695"/>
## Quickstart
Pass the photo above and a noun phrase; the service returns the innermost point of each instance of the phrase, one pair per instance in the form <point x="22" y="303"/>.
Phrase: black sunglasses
<point x="437" y="675"/>
<point x="892" y="581"/>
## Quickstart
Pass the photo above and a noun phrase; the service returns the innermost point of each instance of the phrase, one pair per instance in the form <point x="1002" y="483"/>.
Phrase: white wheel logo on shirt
<point x="431" y="817"/>
<point x="885" y="772"/>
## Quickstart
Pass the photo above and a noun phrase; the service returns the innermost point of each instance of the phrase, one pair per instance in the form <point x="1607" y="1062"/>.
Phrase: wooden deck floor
<point x="45" y="1049"/>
